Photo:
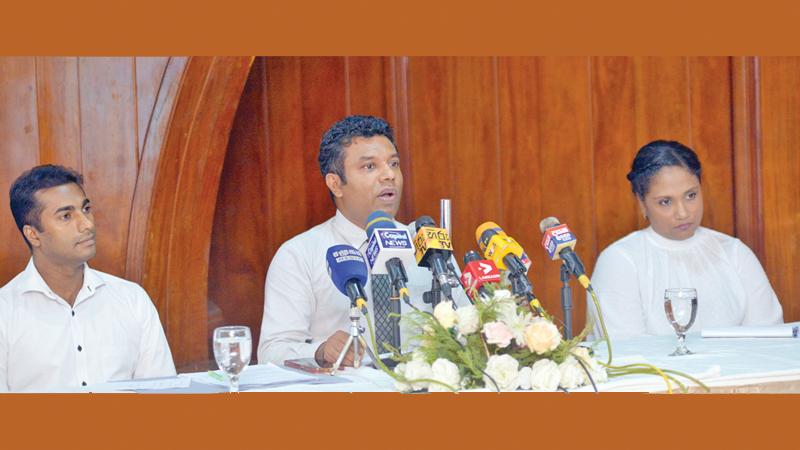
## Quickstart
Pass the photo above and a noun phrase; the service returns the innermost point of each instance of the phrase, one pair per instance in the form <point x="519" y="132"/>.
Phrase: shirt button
<point x="80" y="348"/>
<point x="83" y="383"/>
<point x="73" y="313"/>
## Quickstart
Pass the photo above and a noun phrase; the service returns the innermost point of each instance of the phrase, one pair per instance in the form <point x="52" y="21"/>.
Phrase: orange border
<point x="408" y="27"/>
<point x="386" y="420"/>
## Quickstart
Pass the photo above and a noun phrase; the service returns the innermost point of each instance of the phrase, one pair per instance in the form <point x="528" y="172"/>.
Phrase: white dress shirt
<point x="112" y="332"/>
<point x="303" y="308"/>
<point x="631" y="275"/>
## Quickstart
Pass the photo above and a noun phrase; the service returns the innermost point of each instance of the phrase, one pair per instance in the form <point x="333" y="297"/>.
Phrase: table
<point x="725" y="365"/>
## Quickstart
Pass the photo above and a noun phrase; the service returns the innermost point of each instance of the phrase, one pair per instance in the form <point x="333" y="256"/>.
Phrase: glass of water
<point x="681" y="307"/>
<point x="232" y="348"/>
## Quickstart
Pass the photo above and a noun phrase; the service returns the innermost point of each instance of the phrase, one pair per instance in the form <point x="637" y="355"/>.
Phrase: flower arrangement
<point x="501" y="345"/>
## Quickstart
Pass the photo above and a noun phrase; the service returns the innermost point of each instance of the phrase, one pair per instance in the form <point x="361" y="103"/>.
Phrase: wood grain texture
<point x="711" y="136"/>
<point x="780" y="113"/>
<point x="748" y="192"/>
<point x="19" y="140"/>
<point x="149" y="76"/>
<point x="108" y="152"/>
<point x="58" y="112"/>
<point x="182" y="208"/>
<point x="567" y="168"/>
<point x="239" y="253"/>
<point x="616" y="212"/>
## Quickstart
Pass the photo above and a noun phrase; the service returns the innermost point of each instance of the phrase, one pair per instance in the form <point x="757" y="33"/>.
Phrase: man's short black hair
<point x="341" y="135"/>
<point x="24" y="207"/>
<point x="656" y="155"/>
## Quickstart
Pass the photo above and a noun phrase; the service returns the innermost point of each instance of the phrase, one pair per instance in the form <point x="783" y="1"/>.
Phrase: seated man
<point x="304" y="315"/>
<point x="62" y="324"/>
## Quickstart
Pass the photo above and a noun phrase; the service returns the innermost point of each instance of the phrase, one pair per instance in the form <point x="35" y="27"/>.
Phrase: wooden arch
<point x="176" y="191"/>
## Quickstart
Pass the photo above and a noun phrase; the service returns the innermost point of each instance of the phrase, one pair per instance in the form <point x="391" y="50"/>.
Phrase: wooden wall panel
<point x="58" y="100"/>
<point x="429" y="83"/>
<point x="149" y="77"/>
<point x="109" y="152"/>
<point x="566" y="179"/>
<point x="616" y="212"/>
<point x="19" y="140"/>
<point x="519" y="151"/>
<point x="711" y="137"/>
<point x="780" y="115"/>
<point x="236" y="271"/>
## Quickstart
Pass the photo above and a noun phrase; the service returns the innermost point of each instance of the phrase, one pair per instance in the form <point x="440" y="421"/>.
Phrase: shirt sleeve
<point x="288" y="308"/>
<point x="155" y="357"/>
<point x="761" y="306"/>
<point x="615" y="283"/>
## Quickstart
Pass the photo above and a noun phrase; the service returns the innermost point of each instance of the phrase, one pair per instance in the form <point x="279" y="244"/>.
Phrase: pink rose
<point x="497" y="333"/>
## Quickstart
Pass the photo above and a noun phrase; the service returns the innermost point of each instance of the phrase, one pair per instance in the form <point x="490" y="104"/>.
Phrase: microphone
<point x="497" y="246"/>
<point x="433" y="250"/>
<point x="389" y="250"/>
<point x="478" y="272"/>
<point x="348" y="271"/>
<point x="507" y="255"/>
<point x="559" y="243"/>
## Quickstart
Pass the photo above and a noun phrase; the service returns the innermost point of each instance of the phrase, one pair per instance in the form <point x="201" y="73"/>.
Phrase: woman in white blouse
<point x="675" y="251"/>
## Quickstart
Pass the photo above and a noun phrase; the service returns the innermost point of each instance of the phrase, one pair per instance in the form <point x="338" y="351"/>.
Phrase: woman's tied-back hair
<point x="656" y="155"/>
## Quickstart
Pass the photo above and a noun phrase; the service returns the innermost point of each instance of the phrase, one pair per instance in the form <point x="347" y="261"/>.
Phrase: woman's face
<point x="674" y="203"/>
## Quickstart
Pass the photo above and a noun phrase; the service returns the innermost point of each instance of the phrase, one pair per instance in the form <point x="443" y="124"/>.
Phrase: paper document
<point x="141" y="385"/>
<point x="256" y="376"/>
<point x="768" y="331"/>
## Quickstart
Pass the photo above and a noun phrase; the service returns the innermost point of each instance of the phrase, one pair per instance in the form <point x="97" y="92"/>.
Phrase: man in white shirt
<point x="62" y="324"/>
<point x="304" y="315"/>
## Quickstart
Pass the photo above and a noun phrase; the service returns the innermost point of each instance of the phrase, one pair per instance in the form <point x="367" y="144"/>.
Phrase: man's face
<point x="374" y="180"/>
<point x="67" y="234"/>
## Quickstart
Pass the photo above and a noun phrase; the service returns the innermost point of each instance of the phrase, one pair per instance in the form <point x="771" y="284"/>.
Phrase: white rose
<point x="467" y="319"/>
<point x="508" y="313"/>
<point x="417" y="355"/>
<point x="572" y="374"/>
<point x="598" y="372"/>
<point x="545" y="375"/>
<point x="542" y="336"/>
<point x="524" y="378"/>
<point x="503" y="370"/>
<point x="445" y="372"/>
<point x="418" y="369"/>
<point x="501" y="294"/>
<point x="445" y="314"/>
<point x="400" y="369"/>
<point x="581" y="353"/>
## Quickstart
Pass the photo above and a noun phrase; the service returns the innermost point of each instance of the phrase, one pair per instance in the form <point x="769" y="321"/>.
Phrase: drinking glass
<point x="681" y="307"/>
<point x="232" y="348"/>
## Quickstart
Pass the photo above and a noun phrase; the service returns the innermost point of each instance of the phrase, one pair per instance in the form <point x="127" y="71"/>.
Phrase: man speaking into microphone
<point x="305" y="316"/>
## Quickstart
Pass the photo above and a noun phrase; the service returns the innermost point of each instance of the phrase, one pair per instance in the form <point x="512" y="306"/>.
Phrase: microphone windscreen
<point x="345" y="263"/>
<point x="548" y="222"/>
<point x="470" y="256"/>
<point x="379" y="219"/>
<point x="424" y="221"/>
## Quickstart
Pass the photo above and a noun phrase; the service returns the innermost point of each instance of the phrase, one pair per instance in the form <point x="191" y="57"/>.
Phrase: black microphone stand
<point x="566" y="301"/>
<point x="434" y="296"/>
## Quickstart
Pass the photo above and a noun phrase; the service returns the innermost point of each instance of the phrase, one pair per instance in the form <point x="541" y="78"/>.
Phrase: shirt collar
<point x="32" y="280"/>
<point x="672" y="244"/>
<point x="352" y="233"/>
